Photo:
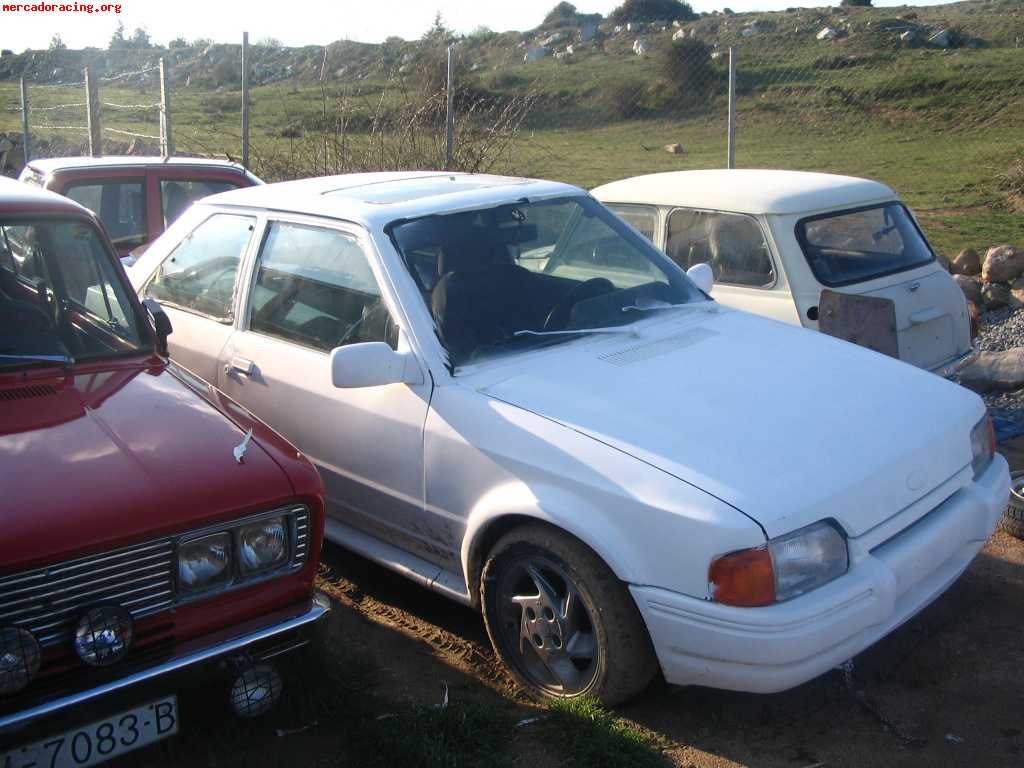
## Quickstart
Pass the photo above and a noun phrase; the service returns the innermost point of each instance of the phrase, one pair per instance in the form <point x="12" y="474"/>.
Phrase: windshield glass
<point x="61" y="297"/>
<point x="566" y="264"/>
<point x="853" y="246"/>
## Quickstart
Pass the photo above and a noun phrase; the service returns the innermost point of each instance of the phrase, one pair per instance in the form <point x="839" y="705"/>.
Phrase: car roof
<point x="746" y="190"/>
<point x="16" y="196"/>
<point x="376" y="199"/>
<point x="48" y="165"/>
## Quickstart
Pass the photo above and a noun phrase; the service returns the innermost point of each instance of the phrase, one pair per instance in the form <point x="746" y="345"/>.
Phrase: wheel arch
<point x="504" y="509"/>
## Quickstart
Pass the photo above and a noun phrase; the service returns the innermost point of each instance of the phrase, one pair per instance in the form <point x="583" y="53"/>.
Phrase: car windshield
<point x="853" y="246"/>
<point x="552" y="268"/>
<point x="62" y="298"/>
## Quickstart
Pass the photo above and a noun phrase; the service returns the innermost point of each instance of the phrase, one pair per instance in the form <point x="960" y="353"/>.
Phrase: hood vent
<point x="26" y="393"/>
<point x="648" y="350"/>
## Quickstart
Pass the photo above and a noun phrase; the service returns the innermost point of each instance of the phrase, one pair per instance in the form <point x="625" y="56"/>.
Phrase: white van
<point x="833" y="253"/>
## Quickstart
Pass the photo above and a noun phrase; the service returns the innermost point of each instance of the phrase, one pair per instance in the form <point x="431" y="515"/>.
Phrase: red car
<point x="136" y="198"/>
<point x="149" y="523"/>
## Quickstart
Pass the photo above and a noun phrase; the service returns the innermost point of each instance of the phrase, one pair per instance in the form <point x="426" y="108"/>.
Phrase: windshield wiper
<point x="647" y="305"/>
<point x="8" y="360"/>
<point x="577" y="330"/>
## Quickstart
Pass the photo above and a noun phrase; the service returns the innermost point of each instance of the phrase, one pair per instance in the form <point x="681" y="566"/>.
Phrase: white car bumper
<point x="770" y="649"/>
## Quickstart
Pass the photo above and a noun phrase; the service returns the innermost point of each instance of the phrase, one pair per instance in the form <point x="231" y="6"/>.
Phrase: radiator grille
<point x="301" y="537"/>
<point x="48" y="601"/>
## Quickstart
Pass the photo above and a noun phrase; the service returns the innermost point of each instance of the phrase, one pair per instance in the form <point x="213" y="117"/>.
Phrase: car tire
<point x="562" y="623"/>
<point x="1013" y="517"/>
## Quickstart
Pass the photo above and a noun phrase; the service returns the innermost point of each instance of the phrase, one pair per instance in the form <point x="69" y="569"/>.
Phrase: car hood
<point x="787" y="425"/>
<point x="109" y="457"/>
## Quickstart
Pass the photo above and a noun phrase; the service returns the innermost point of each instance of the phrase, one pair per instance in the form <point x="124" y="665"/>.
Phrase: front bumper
<point x="764" y="650"/>
<point x="200" y="651"/>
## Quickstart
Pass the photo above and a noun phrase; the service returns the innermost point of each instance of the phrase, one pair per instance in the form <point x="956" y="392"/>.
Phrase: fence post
<point x="166" y="140"/>
<point x="449" y="142"/>
<point x="245" y="100"/>
<point x="731" y="160"/>
<point x="92" y="105"/>
<point x="25" y="145"/>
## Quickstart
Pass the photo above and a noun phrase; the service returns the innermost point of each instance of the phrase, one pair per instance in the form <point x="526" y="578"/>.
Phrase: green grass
<point x="589" y="735"/>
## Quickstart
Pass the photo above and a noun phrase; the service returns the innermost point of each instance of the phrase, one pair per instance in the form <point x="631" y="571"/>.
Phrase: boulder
<point x="1017" y="289"/>
<point x="996" y="295"/>
<point x="1002" y="264"/>
<point x="971" y="286"/>
<point x="995" y="371"/>
<point x="640" y="47"/>
<point x="943" y="39"/>
<point x="967" y="262"/>
<point x="679" y="34"/>
<point x="828" y="33"/>
<point x="910" y="37"/>
<point x="674" y="149"/>
<point x="943" y="262"/>
<point x="536" y="54"/>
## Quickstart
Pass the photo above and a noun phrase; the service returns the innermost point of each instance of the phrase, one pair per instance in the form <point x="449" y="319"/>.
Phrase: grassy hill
<point x="942" y="126"/>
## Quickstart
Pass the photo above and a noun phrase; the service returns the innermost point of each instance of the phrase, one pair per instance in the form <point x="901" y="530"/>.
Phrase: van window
<point x="853" y="246"/>
<point x="643" y="217"/>
<point x="120" y="204"/>
<point x="731" y="243"/>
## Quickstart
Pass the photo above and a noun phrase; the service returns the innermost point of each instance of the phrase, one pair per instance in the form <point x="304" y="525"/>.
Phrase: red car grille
<point x="49" y="601"/>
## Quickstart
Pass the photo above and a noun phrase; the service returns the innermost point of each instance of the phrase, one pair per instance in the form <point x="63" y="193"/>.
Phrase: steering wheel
<point x="558" y="317"/>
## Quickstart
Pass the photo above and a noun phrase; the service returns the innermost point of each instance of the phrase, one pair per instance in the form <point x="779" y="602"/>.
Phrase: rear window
<point x="853" y="246"/>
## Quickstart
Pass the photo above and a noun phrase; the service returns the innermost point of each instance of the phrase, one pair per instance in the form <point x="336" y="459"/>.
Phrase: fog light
<point x="104" y="635"/>
<point x="255" y="691"/>
<point x="19" y="659"/>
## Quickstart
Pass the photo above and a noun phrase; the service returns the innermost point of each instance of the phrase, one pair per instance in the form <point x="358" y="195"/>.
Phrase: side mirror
<point x="702" y="276"/>
<point x="161" y="324"/>
<point x="372" y="364"/>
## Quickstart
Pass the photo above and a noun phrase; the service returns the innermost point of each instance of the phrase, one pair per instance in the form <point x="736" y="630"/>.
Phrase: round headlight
<point x="104" y="635"/>
<point x="19" y="659"/>
<point x="264" y="544"/>
<point x="205" y="562"/>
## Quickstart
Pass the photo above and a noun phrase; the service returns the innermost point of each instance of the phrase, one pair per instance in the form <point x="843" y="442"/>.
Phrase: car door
<point x="196" y="283"/>
<point x="313" y="288"/>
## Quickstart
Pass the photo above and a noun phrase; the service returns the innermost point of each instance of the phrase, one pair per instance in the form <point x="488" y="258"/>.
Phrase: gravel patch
<point x="1003" y="329"/>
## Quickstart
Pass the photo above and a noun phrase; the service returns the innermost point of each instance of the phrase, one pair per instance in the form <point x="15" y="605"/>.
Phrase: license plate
<point x="100" y="741"/>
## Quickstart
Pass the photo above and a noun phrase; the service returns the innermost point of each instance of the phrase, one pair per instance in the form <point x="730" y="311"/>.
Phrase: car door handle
<point x="926" y="315"/>
<point x="240" y="365"/>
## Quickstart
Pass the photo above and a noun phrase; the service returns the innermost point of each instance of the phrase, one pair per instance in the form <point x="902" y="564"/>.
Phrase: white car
<point x="777" y="239"/>
<point x="517" y="401"/>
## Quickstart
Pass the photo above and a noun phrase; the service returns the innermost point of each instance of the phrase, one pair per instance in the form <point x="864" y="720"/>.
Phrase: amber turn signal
<point x="743" y="578"/>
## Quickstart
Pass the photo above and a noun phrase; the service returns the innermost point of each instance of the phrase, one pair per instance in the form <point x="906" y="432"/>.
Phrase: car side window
<point x="642" y="217"/>
<point x="200" y="273"/>
<point x="176" y="195"/>
<point x="314" y="287"/>
<point x="120" y="204"/>
<point x="733" y="244"/>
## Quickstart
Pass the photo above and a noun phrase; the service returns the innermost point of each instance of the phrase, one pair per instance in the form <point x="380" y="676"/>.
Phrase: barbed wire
<point x="125" y="75"/>
<point x="131" y="133"/>
<point x="32" y="108"/>
<point x="129" y="106"/>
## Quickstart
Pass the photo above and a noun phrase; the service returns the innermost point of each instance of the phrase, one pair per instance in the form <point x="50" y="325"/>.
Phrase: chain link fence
<point x="929" y="100"/>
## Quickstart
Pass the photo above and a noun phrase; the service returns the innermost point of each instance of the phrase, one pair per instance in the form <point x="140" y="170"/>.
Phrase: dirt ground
<point x="945" y="689"/>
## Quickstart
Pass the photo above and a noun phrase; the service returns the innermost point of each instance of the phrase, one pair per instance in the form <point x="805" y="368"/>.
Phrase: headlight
<point x="983" y="445"/>
<point x="205" y="562"/>
<point x="263" y="545"/>
<point x="787" y="566"/>
<point x="19" y="659"/>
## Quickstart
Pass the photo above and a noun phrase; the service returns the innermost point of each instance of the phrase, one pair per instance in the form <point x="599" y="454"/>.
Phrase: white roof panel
<point x="752" y="191"/>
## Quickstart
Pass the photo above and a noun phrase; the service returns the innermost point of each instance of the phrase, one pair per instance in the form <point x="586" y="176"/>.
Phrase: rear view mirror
<point x="372" y="364"/>
<point x="702" y="276"/>
<point x="161" y="324"/>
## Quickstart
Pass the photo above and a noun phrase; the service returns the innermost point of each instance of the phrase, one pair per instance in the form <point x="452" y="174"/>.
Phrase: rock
<point x="828" y="33"/>
<point x="640" y="46"/>
<point x="943" y="38"/>
<point x="943" y="262"/>
<point x="995" y="371"/>
<point x="971" y="286"/>
<point x="1002" y="264"/>
<point x="674" y="149"/>
<point x="910" y="37"/>
<point x="1017" y="289"/>
<point x="588" y="31"/>
<point x="996" y="295"/>
<point x="679" y="34"/>
<point x="967" y="262"/>
<point x="749" y="32"/>
<point x="536" y="54"/>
